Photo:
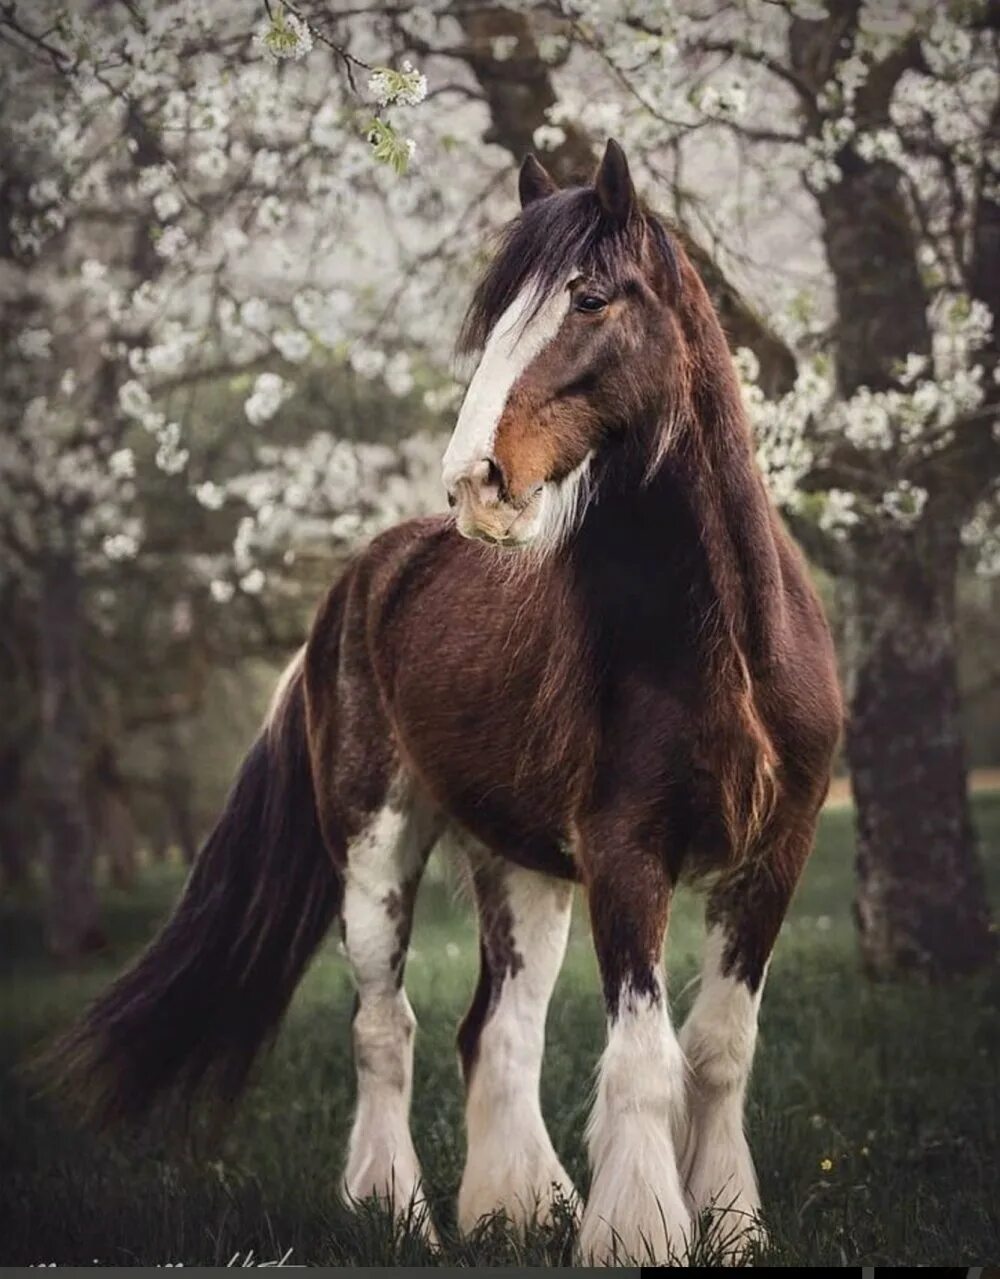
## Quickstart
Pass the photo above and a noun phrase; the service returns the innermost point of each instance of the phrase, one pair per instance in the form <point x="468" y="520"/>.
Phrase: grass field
<point x="874" y="1112"/>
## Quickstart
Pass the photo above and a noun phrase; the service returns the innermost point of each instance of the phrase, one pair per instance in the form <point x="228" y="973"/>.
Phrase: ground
<point x="874" y="1111"/>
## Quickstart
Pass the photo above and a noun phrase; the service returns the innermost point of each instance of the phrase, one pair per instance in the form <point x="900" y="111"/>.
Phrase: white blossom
<point x="121" y="546"/>
<point x="167" y="204"/>
<point x="211" y="496"/>
<point x="406" y="87"/>
<point x="293" y="344"/>
<point x="903" y="504"/>
<point x="269" y="393"/>
<point x="548" y="137"/>
<point x="121" y="463"/>
<point x="35" y="344"/>
<point x="283" y="36"/>
<point x="170" y="241"/>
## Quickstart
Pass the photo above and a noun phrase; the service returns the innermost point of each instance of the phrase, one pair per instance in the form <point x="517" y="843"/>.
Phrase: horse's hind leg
<point x="524" y="922"/>
<point x="384" y="865"/>
<point x="743" y="916"/>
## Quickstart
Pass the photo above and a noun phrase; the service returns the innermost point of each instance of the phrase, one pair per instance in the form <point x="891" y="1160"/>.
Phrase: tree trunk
<point x="73" y="925"/>
<point x="920" y="906"/>
<point x="13" y="838"/>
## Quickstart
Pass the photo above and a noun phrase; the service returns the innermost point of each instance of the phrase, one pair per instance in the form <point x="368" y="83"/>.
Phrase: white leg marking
<point x="383" y="865"/>
<point x="636" y="1210"/>
<point x="511" y="1163"/>
<point x="718" y="1039"/>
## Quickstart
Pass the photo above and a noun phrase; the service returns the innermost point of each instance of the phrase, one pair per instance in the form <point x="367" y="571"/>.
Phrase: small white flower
<point x="367" y="361"/>
<point x="405" y="88"/>
<point x="167" y="204"/>
<point x="293" y="344"/>
<point x="269" y="393"/>
<point x="221" y="591"/>
<point x="35" y="344"/>
<point x="133" y="399"/>
<point x="283" y="36"/>
<point x="169" y="243"/>
<point x="904" y="504"/>
<point x="121" y="464"/>
<point x="121" y="546"/>
<point x="547" y="137"/>
<point x="210" y="495"/>
<point x="253" y="582"/>
<point x="503" y="47"/>
<point x="92" y="271"/>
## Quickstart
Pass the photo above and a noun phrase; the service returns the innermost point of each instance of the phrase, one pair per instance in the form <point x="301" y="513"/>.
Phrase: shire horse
<point x="606" y="666"/>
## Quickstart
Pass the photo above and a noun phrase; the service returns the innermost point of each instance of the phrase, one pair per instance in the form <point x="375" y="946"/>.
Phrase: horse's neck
<point x="692" y="550"/>
<point x="739" y="533"/>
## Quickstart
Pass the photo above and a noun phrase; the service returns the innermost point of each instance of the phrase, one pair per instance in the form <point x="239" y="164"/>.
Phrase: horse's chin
<point x="508" y="528"/>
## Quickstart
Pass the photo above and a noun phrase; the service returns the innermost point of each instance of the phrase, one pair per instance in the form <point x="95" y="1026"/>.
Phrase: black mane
<point x="550" y="238"/>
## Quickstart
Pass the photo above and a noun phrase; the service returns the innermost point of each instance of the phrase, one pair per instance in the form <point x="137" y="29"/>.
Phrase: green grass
<point x="896" y="1085"/>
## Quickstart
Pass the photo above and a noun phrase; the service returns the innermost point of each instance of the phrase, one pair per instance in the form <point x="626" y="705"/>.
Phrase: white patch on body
<point x="387" y="855"/>
<point x="636" y="1210"/>
<point x="511" y="1163"/>
<point x="517" y="338"/>
<point x="718" y="1039"/>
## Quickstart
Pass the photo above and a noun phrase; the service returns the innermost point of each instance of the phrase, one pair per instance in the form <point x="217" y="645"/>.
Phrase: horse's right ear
<point x="534" y="182"/>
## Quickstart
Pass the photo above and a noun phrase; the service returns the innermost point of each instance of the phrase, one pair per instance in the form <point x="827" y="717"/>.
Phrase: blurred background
<point x="236" y="242"/>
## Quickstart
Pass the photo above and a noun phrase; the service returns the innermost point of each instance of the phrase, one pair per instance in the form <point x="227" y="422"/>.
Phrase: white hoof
<point x="526" y="1186"/>
<point x="636" y="1212"/>
<point x="719" y="1180"/>
<point x="392" y="1178"/>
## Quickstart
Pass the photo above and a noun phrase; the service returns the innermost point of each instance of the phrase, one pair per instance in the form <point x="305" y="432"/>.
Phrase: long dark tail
<point x="197" y="1006"/>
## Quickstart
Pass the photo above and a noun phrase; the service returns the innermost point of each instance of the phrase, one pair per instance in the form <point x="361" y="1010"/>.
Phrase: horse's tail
<point x="200" y="1002"/>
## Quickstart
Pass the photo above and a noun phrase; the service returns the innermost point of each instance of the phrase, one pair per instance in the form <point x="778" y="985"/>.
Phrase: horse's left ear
<point x="534" y="182"/>
<point x="613" y="184"/>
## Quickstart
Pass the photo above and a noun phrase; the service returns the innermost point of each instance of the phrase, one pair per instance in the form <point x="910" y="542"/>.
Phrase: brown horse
<point x="609" y="667"/>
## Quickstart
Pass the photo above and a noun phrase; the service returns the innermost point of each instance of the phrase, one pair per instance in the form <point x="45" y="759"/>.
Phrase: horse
<point x="606" y="666"/>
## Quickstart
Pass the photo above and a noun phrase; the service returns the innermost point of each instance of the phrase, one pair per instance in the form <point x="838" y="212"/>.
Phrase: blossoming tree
<point x="152" y="151"/>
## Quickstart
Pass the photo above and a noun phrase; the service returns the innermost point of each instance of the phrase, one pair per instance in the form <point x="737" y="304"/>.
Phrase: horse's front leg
<point x="744" y="914"/>
<point x="511" y="1164"/>
<point x="636" y="1210"/>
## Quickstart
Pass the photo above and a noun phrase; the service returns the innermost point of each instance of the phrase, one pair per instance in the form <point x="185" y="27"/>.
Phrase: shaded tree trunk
<point x="920" y="905"/>
<point x="72" y="922"/>
<point x="112" y="826"/>
<point x="14" y="857"/>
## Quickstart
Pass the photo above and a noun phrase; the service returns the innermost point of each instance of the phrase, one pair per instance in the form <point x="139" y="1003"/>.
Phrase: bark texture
<point x="921" y="905"/>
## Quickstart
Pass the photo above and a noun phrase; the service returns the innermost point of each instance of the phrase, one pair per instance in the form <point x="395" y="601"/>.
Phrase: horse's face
<point x="577" y="354"/>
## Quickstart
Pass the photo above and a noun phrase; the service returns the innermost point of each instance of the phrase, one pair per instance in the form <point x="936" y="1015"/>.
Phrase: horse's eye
<point x="589" y="302"/>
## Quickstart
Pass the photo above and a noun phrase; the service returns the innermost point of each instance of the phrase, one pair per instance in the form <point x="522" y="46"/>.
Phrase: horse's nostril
<point x="494" y="476"/>
<point x="452" y="499"/>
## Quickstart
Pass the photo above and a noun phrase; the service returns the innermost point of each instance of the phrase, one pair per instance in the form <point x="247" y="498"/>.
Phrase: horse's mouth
<point x="502" y="524"/>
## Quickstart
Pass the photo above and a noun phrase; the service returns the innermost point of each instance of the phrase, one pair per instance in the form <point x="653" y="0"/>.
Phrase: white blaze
<point x="517" y="338"/>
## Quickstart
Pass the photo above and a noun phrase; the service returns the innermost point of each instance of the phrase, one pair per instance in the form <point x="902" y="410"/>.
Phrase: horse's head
<point x="581" y="355"/>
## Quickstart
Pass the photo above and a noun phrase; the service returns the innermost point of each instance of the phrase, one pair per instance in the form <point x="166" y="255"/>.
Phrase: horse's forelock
<point x="552" y="237"/>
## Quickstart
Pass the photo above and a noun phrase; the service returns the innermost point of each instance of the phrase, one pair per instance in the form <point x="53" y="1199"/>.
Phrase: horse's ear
<point x="613" y="184"/>
<point x="534" y="182"/>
